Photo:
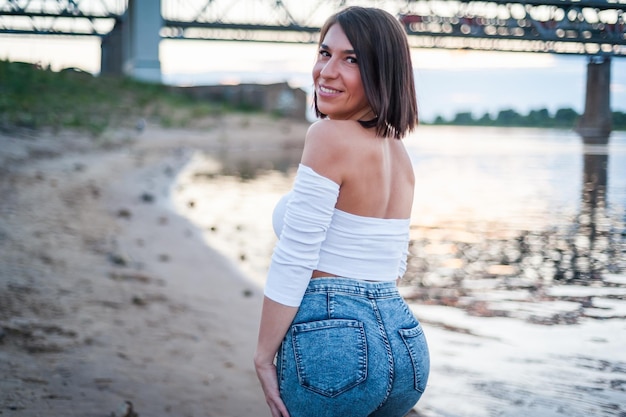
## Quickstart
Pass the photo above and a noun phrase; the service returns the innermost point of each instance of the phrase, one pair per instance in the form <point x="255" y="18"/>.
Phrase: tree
<point x="439" y="121"/>
<point x="485" y="120"/>
<point x="565" y="117"/>
<point x="463" y="118"/>
<point x="509" y="117"/>
<point x="619" y="120"/>
<point x="539" y="118"/>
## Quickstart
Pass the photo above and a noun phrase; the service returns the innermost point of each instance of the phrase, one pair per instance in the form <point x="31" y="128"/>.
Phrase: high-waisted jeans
<point x="354" y="349"/>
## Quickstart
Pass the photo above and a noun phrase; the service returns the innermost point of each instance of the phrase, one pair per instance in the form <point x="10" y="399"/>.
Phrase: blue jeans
<point x="354" y="349"/>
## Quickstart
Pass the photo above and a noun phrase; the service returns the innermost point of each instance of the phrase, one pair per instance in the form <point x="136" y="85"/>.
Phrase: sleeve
<point x="307" y="217"/>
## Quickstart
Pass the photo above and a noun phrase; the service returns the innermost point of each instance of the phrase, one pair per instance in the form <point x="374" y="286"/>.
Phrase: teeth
<point x="328" y="90"/>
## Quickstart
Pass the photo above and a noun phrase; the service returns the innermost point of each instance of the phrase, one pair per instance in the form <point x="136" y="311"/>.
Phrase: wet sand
<point x="111" y="304"/>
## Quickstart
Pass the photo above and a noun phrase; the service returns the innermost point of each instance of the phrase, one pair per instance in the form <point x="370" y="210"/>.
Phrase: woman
<point x="345" y="342"/>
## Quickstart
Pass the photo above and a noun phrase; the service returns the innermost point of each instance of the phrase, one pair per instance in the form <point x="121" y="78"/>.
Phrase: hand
<point x="266" y="373"/>
<point x="275" y="321"/>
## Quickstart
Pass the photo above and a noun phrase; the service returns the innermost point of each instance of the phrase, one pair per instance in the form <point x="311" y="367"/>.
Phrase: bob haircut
<point x="384" y="61"/>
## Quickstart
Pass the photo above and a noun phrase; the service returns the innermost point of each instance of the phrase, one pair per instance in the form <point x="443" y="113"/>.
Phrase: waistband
<point x="369" y="289"/>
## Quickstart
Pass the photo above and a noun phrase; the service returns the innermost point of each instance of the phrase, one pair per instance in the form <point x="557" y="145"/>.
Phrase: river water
<point x="517" y="264"/>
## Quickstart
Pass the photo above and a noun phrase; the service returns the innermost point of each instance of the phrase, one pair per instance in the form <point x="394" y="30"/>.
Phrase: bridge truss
<point x="583" y="27"/>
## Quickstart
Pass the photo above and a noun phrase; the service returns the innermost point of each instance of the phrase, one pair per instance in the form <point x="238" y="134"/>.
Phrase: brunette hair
<point x="384" y="60"/>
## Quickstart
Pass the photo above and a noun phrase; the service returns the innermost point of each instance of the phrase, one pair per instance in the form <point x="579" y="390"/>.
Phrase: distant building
<point x="278" y="98"/>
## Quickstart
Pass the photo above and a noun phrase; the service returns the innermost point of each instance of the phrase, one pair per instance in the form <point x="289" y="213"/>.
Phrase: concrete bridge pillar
<point x="596" y="122"/>
<point x="111" y="57"/>
<point x="132" y="47"/>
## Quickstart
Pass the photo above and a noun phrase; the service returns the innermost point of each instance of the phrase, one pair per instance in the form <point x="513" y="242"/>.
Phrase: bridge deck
<point x="585" y="27"/>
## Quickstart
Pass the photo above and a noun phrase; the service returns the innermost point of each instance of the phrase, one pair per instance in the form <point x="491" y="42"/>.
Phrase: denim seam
<point x="364" y="294"/>
<point x="330" y="312"/>
<point x="281" y="363"/>
<point x="385" y="336"/>
<point x="296" y="357"/>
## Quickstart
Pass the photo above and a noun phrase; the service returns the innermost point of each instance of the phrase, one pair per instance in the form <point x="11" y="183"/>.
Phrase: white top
<point x="313" y="234"/>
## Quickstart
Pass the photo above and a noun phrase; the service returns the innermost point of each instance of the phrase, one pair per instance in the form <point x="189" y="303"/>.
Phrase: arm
<point x="306" y="219"/>
<point x="275" y="320"/>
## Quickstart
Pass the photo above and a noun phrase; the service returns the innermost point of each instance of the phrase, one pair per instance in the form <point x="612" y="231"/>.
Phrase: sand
<point x="112" y="304"/>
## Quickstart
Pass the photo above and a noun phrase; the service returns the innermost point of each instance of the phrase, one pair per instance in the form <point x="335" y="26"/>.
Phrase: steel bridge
<point x="130" y="30"/>
<point x="583" y="27"/>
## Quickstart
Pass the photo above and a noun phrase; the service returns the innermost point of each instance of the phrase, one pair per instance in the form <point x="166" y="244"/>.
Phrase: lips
<point x="327" y="90"/>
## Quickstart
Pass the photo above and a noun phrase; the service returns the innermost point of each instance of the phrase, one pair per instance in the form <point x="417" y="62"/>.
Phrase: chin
<point x="327" y="110"/>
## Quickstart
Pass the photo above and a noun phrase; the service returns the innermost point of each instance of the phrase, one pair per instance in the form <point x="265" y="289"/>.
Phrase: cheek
<point x="317" y="68"/>
<point x="357" y="85"/>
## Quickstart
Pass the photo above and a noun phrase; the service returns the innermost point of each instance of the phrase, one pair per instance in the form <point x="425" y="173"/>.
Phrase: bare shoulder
<point x="335" y="134"/>
<point x="327" y="144"/>
<point x="331" y="130"/>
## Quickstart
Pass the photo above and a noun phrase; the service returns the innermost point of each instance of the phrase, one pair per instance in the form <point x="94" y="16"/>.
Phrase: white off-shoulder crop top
<point x="313" y="234"/>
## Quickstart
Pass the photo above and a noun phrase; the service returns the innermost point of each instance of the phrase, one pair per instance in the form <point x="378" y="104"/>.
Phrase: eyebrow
<point x="345" y="51"/>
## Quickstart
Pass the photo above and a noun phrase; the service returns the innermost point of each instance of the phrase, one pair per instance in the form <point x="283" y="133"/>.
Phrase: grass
<point x="36" y="98"/>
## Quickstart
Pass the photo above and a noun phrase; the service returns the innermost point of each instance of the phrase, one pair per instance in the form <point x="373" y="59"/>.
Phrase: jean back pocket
<point x="331" y="355"/>
<point x="415" y="342"/>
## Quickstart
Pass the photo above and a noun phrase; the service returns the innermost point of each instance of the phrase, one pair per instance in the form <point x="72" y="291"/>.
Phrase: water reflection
<point x="498" y="269"/>
<point x="517" y="261"/>
<point x="594" y="226"/>
<point x="498" y="223"/>
<point x="248" y="164"/>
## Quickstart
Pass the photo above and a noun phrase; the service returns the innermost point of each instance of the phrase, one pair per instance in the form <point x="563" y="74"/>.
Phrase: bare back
<point x="375" y="174"/>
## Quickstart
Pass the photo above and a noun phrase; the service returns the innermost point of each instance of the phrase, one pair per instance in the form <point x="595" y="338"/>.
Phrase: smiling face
<point x="338" y="86"/>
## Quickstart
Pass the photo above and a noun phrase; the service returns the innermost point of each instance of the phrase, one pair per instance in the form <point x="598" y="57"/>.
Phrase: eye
<point x="324" y="53"/>
<point x="352" y="60"/>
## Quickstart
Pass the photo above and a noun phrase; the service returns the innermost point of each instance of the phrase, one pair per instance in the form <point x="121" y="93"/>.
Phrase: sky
<point x="447" y="81"/>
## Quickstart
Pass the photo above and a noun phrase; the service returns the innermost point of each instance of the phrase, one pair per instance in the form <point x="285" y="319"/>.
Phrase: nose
<point x="329" y="70"/>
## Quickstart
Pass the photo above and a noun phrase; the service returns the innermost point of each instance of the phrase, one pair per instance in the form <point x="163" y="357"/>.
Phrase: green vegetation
<point x="32" y="97"/>
<point x="35" y="98"/>
<point x="561" y="119"/>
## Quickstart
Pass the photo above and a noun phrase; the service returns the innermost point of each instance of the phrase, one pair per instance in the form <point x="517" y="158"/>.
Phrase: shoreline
<point x="108" y="296"/>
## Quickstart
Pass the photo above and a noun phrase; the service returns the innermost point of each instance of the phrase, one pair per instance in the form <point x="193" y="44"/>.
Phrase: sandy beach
<point x="111" y="304"/>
